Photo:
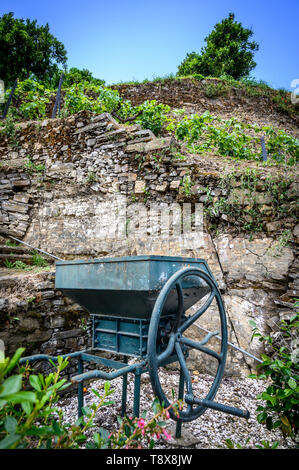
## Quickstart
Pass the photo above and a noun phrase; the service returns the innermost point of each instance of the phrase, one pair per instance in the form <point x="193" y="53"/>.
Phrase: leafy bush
<point x="38" y="260"/>
<point x="191" y="129"/>
<point x="86" y="96"/>
<point x="31" y="99"/>
<point x="30" y="417"/>
<point x="8" y="129"/>
<point x="279" y="145"/>
<point x="281" y="397"/>
<point x="235" y="139"/>
<point x="153" y="115"/>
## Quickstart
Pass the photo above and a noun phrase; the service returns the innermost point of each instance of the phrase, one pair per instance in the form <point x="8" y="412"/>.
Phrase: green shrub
<point x="235" y="139"/>
<point x="38" y="260"/>
<point x="86" y="96"/>
<point x="31" y="99"/>
<point x="281" y="398"/>
<point x="153" y="116"/>
<point x="8" y="130"/>
<point x="30" y="417"/>
<point x="31" y="167"/>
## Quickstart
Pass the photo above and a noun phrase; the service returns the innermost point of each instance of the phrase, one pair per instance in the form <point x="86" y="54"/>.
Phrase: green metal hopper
<point x="128" y="286"/>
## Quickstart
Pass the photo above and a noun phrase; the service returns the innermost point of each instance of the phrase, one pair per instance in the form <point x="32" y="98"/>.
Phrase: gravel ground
<point x="209" y="431"/>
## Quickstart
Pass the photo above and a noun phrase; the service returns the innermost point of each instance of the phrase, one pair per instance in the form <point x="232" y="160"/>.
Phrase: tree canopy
<point x="75" y="76"/>
<point x="228" y="51"/>
<point x="28" y="49"/>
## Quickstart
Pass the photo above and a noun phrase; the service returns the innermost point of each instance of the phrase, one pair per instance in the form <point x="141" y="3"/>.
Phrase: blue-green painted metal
<point x="178" y="343"/>
<point x="137" y="305"/>
<point x="127" y="286"/>
<point x="120" y="335"/>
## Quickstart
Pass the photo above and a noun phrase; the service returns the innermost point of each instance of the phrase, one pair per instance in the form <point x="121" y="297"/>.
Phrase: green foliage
<point x="250" y="217"/>
<point x="8" y="264"/>
<point x="282" y="100"/>
<point x="279" y="145"/>
<point x="31" y="167"/>
<point x="228" y="51"/>
<point x="11" y="243"/>
<point x="24" y="414"/>
<point x="187" y="184"/>
<point x="191" y="129"/>
<point x="280" y="408"/>
<point x="91" y="177"/>
<point x="190" y="65"/>
<point x="90" y="97"/>
<point x="75" y="76"/>
<point x="9" y="131"/>
<point x="20" y="265"/>
<point x="15" y="264"/>
<point x="38" y="260"/>
<point x="27" y="49"/>
<point x="30" y="417"/>
<point x="134" y="433"/>
<point x="264" y="444"/>
<point x="153" y="116"/>
<point x="235" y="139"/>
<point x="31" y="99"/>
<point x="213" y="90"/>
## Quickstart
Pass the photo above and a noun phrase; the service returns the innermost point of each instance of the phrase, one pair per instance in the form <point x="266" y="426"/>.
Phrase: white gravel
<point x="209" y="431"/>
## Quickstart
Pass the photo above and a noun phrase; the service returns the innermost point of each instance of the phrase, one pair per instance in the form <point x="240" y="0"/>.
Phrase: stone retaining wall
<point x="63" y="188"/>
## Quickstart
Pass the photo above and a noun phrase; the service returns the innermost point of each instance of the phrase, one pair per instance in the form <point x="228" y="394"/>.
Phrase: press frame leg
<point x="124" y="392"/>
<point x="178" y="428"/>
<point x="80" y="388"/>
<point x="136" y="404"/>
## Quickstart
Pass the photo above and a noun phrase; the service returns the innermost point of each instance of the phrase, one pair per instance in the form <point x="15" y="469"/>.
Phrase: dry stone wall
<point x="191" y="94"/>
<point x="86" y="186"/>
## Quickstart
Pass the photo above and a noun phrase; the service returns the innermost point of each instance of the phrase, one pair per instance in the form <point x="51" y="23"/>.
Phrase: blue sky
<point x="133" y="40"/>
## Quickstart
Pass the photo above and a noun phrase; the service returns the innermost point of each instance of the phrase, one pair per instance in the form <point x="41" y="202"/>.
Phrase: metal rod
<point x="178" y="428"/>
<point x="57" y="100"/>
<point x="80" y="388"/>
<point x="136" y="403"/>
<point x="9" y="99"/>
<point x="105" y="375"/>
<point x="124" y="391"/>
<point x="37" y="249"/>
<point x="218" y="407"/>
<point x="46" y="357"/>
<point x="264" y="150"/>
<point x="232" y="345"/>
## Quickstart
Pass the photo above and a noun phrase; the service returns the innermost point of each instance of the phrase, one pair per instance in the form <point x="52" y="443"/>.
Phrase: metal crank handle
<point x="217" y="406"/>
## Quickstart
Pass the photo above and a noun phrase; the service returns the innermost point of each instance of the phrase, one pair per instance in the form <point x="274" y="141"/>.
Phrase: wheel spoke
<point x="199" y="347"/>
<point x="165" y="354"/>
<point x="185" y="370"/>
<point x="180" y="306"/>
<point x="196" y="315"/>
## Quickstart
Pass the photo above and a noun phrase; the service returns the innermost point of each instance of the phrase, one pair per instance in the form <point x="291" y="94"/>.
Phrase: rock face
<point x="257" y="261"/>
<point x="93" y="188"/>
<point x="36" y="316"/>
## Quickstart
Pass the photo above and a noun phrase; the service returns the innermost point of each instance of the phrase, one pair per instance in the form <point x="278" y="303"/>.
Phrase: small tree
<point x="27" y="48"/>
<point x="228" y="51"/>
<point x="74" y="76"/>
